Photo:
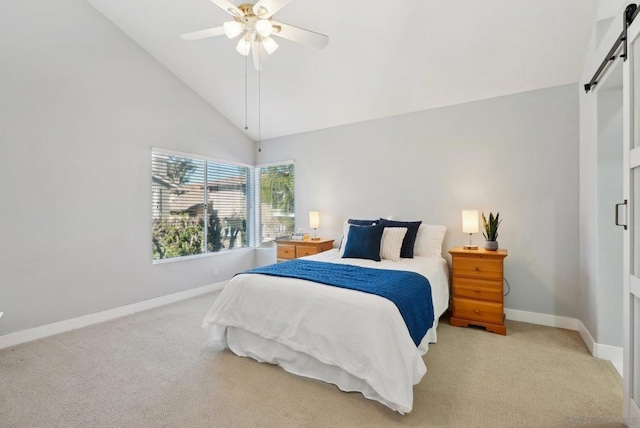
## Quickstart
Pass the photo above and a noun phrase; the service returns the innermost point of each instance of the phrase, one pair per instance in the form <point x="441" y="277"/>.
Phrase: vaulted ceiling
<point x="384" y="58"/>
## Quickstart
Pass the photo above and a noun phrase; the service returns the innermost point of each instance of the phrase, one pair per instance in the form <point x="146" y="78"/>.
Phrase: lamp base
<point x="317" y="239"/>
<point x="470" y="247"/>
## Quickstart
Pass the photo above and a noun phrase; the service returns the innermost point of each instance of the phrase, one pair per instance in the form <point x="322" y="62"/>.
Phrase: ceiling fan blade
<point x="229" y="7"/>
<point x="266" y="8"/>
<point x="300" y="35"/>
<point x="203" y="34"/>
<point x="260" y="56"/>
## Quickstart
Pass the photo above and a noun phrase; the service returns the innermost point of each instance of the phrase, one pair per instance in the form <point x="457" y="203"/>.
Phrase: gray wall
<point x="516" y="154"/>
<point x="81" y="105"/>
<point x="604" y="321"/>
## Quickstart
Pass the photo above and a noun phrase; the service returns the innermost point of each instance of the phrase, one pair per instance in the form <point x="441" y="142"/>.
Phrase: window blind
<point x="277" y="201"/>
<point x="226" y="201"/>
<point x="198" y="206"/>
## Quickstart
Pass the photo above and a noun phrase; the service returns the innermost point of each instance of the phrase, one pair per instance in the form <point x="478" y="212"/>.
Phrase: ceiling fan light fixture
<point x="252" y="24"/>
<point x="243" y="47"/>
<point x="233" y="29"/>
<point x="270" y="45"/>
<point x="264" y="27"/>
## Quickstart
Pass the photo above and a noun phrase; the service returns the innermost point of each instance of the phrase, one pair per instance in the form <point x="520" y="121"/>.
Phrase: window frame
<point x="253" y="201"/>
<point x="249" y="196"/>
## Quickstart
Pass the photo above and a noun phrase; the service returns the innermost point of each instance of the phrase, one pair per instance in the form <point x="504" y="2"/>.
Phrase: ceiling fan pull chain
<point x="259" y="108"/>
<point x="246" y="108"/>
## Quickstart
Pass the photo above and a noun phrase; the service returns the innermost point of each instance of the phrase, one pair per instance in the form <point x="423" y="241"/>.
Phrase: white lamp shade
<point x="264" y="27"/>
<point x="470" y="221"/>
<point x="270" y="45"/>
<point x="314" y="219"/>
<point x="232" y="29"/>
<point x="243" y="47"/>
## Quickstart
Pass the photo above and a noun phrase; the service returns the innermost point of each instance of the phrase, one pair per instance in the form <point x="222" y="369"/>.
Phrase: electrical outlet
<point x="215" y="271"/>
<point x="1" y="314"/>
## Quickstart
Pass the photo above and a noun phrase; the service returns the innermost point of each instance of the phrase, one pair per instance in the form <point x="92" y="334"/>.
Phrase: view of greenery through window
<point x="190" y="218"/>
<point x="201" y="206"/>
<point x="277" y="193"/>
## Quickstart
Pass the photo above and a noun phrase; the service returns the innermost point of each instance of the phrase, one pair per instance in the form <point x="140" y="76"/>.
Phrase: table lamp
<point x="470" y="226"/>
<point x="314" y="223"/>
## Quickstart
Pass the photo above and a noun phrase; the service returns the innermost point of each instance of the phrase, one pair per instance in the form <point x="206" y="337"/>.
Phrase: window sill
<point x="201" y="256"/>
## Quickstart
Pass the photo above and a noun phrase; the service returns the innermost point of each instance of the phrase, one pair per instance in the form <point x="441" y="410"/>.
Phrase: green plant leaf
<point x="491" y="227"/>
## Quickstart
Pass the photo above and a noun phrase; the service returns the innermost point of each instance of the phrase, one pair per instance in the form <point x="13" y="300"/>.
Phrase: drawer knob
<point x="477" y="311"/>
<point x="477" y="269"/>
<point x="477" y="290"/>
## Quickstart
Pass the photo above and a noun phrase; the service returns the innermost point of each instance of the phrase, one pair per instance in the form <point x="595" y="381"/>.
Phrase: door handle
<point x="618" y="212"/>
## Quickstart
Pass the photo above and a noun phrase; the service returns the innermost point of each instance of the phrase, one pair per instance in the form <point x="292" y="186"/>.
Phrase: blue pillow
<point x="356" y="222"/>
<point x="364" y="243"/>
<point x="409" y="239"/>
<point x="362" y="222"/>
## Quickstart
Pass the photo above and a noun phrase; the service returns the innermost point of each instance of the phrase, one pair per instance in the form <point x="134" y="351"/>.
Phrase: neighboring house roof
<point x="164" y="183"/>
<point x="189" y="198"/>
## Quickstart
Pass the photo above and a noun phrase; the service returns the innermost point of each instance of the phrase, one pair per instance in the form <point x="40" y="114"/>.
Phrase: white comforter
<point x="362" y="334"/>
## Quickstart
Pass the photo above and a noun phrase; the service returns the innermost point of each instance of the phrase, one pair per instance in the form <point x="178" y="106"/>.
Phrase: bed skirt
<point x="246" y="344"/>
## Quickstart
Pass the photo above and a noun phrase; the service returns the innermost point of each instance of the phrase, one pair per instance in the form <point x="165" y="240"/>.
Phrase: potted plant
<point x="491" y="231"/>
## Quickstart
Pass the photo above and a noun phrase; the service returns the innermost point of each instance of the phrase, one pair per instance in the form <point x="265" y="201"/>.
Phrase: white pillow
<point x="345" y="234"/>
<point x="429" y="240"/>
<point x="392" y="243"/>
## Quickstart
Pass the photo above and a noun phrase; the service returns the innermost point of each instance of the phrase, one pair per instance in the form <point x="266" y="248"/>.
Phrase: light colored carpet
<point x="155" y="369"/>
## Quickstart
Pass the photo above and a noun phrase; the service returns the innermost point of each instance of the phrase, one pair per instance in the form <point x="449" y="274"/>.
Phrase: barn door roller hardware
<point x="629" y="15"/>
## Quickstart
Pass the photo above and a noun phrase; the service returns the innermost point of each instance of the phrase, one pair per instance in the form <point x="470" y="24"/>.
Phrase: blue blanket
<point x="409" y="291"/>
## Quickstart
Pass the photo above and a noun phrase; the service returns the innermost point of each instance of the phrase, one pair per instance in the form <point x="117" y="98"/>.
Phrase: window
<point x="276" y="185"/>
<point x="199" y="206"/>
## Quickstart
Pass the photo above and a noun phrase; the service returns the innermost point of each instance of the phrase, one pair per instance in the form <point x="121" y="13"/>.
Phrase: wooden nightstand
<point x="288" y="250"/>
<point x="477" y="288"/>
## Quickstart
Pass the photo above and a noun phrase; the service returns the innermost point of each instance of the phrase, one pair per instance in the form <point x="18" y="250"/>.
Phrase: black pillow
<point x="409" y="239"/>
<point x="362" y="222"/>
<point x="364" y="243"/>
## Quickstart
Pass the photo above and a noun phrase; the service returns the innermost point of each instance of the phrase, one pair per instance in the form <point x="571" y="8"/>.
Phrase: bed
<point x="355" y="340"/>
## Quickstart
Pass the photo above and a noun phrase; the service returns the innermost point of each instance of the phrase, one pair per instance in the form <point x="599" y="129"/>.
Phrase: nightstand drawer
<point x="286" y="251"/>
<point x="289" y="249"/>
<point x="478" y="289"/>
<point x="305" y="250"/>
<point x="479" y="311"/>
<point x="477" y="267"/>
<point x="325" y="246"/>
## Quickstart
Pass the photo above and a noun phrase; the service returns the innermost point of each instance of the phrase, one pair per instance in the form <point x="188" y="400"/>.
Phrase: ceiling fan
<point x="254" y="23"/>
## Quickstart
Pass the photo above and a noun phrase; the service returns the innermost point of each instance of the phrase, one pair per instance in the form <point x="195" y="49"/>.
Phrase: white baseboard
<point x="35" y="333"/>
<point x="588" y="339"/>
<point x="611" y="353"/>
<point x="598" y="350"/>
<point x="542" y="319"/>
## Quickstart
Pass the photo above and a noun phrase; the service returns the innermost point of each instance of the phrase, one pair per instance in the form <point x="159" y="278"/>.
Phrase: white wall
<point x="515" y="154"/>
<point x="81" y="105"/>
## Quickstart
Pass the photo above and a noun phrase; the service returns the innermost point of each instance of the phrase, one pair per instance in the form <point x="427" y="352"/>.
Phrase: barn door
<point x="631" y="217"/>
